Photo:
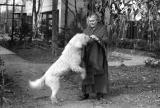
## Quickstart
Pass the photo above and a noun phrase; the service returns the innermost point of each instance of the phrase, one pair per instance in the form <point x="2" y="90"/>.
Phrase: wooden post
<point x="13" y="20"/>
<point x="6" y="24"/>
<point x="54" y="27"/>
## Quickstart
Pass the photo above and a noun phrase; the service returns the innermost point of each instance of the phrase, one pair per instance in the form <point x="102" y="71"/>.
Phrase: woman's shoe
<point x="84" y="97"/>
<point x="99" y="96"/>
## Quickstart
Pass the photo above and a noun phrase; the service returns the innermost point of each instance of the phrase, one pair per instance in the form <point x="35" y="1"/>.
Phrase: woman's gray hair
<point x="90" y="15"/>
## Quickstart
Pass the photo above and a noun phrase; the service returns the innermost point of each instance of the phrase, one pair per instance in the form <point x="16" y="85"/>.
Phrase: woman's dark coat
<point x="95" y="60"/>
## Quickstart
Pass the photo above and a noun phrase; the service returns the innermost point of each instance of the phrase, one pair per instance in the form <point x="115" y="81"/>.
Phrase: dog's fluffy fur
<point x="70" y="59"/>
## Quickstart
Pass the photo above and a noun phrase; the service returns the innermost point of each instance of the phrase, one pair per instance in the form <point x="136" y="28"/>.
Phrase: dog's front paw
<point x="56" y="101"/>
<point x="83" y="75"/>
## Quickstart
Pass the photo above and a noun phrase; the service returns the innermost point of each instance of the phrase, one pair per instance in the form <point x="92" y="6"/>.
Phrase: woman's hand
<point x="95" y="37"/>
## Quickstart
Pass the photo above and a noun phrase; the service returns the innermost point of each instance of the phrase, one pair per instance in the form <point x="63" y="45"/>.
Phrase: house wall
<point x="47" y="6"/>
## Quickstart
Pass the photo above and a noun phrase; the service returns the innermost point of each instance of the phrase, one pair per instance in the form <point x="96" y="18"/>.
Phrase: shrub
<point x="3" y="84"/>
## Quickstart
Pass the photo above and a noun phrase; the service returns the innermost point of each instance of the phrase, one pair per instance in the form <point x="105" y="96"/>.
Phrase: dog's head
<point x="79" y="40"/>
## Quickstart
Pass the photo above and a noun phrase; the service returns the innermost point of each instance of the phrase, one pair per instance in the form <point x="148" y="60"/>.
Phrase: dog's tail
<point x="37" y="84"/>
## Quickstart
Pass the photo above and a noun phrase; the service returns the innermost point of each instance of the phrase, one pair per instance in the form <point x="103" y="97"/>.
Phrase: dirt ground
<point x="130" y="86"/>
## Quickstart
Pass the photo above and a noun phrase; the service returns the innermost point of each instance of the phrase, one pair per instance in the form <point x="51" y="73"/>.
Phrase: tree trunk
<point x="54" y="27"/>
<point x="75" y="3"/>
<point x="34" y="19"/>
<point x="66" y="21"/>
<point x="13" y="21"/>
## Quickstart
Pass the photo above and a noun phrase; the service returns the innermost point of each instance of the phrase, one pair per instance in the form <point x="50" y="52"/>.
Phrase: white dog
<point x="70" y="59"/>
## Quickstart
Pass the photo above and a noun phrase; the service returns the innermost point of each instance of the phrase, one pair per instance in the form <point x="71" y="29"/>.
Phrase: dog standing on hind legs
<point x="69" y="60"/>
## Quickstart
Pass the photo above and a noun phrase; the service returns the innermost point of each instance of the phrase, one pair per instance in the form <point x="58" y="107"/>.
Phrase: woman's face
<point x="92" y="21"/>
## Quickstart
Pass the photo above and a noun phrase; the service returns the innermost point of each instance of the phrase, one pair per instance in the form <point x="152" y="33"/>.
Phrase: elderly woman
<point x="95" y="60"/>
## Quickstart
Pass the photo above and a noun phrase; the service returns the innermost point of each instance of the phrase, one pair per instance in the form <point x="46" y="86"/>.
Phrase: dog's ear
<point x="86" y="37"/>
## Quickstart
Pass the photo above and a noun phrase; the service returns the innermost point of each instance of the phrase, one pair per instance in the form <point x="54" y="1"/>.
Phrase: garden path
<point x="22" y="71"/>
